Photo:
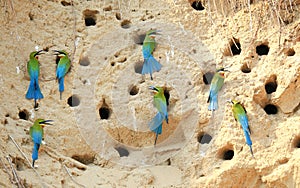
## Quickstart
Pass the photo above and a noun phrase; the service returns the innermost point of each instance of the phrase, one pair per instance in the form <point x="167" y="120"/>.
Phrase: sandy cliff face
<point x="101" y="134"/>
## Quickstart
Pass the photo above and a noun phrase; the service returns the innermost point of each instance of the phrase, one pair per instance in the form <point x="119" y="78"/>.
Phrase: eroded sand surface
<point x="103" y="139"/>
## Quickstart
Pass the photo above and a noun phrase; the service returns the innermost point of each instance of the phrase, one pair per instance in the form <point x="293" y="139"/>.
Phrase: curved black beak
<point x="39" y="52"/>
<point x="59" y="52"/>
<point x="155" y="32"/>
<point x="47" y="122"/>
<point x="153" y="88"/>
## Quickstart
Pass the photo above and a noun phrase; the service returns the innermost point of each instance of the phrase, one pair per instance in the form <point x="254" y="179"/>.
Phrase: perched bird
<point x="150" y="63"/>
<point x="33" y="68"/>
<point x="36" y="133"/>
<point x="63" y="67"/>
<point x="215" y="86"/>
<point x="160" y="103"/>
<point x="239" y="113"/>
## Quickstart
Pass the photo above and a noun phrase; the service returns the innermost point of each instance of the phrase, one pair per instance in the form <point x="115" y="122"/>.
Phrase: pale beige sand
<point x="191" y="44"/>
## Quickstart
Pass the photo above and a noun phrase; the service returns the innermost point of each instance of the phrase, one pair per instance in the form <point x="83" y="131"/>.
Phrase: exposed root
<point x="6" y="170"/>
<point x="15" y="175"/>
<point x="65" y="160"/>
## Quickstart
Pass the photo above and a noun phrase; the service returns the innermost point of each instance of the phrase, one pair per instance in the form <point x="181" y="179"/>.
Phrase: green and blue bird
<point x="33" y="68"/>
<point x="36" y="133"/>
<point x="215" y="86"/>
<point x="160" y="103"/>
<point x="63" y="67"/>
<point x="240" y="115"/>
<point x="150" y="63"/>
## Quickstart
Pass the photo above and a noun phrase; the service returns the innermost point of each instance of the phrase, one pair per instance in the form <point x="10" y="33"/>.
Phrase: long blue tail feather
<point x="213" y="102"/>
<point x="34" y="91"/>
<point x="248" y="141"/>
<point x="156" y="122"/>
<point x="35" y="152"/>
<point x="155" y="125"/>
<point x="158" y="131"/>
<point x="150" y="65"/>
<point x="61" y="84"/>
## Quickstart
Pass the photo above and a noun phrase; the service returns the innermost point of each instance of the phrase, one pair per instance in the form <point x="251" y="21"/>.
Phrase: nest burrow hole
<point x="90" y="18"/>
<point x="204" y="138"/>
<point x="104" y="111"/>
<point x="24" y="114"/>
<point x="73" y="101"/>
<point x="271" y="84"/>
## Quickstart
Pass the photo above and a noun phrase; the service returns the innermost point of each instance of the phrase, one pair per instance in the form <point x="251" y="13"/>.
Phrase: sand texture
<point x="100" y="135"/>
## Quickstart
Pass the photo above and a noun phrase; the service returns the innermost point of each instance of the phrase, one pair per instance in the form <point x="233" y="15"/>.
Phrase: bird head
<point x="43" y="122"/>
<point x="222" y="71"/>
<point x="156" y="89"/>
<point x="35" y="53"/>
<point x="233" y="102"/>
<point x="60" y="53"/>
<point x="151" y="33"/>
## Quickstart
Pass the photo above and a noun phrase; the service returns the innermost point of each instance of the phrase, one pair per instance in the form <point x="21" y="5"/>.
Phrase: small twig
<point x="12" y="139"/>
<point x="43" y="184"/>
<point x="66" y="160"/>
<point x="234" y="43"/>
<point x="6" y="170"/>
<point x="16" y="177"/>
<point x="70" y="175"/>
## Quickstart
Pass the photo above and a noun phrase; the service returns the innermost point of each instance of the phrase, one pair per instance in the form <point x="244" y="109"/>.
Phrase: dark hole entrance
<point x="270" y="109"/>
<point x="84" y="159"/>
<point x="123" y="152"/>
<point x="204" y="138"/>
<point x="262" y="49"/>
<point x="125" y="24"/>
<point x="245" y="68"/>
<point x="197" y="5"/>
<point x="290" y="52"/>
<point x="90" y="17"/>
<point x="168" y="161"/>
<point x="65" y="3"/>
<point x="73" y="101"/>
<point x="31" y="16"/>
<point x="133" y="90"/>
<point x="118" y="16"/>
<point x="167" y="95"/>
<point x="235" y="47"/>
<point x="24" y="114"/>
<point x="57" y="60"/>
<point x="270" y="87"/>
<point x="207" y="77"/>
<point x="104" y="111"/>
<point x="228" y="154"/>
<point x="89" y="21"/>
<point x="297" y="142"/>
